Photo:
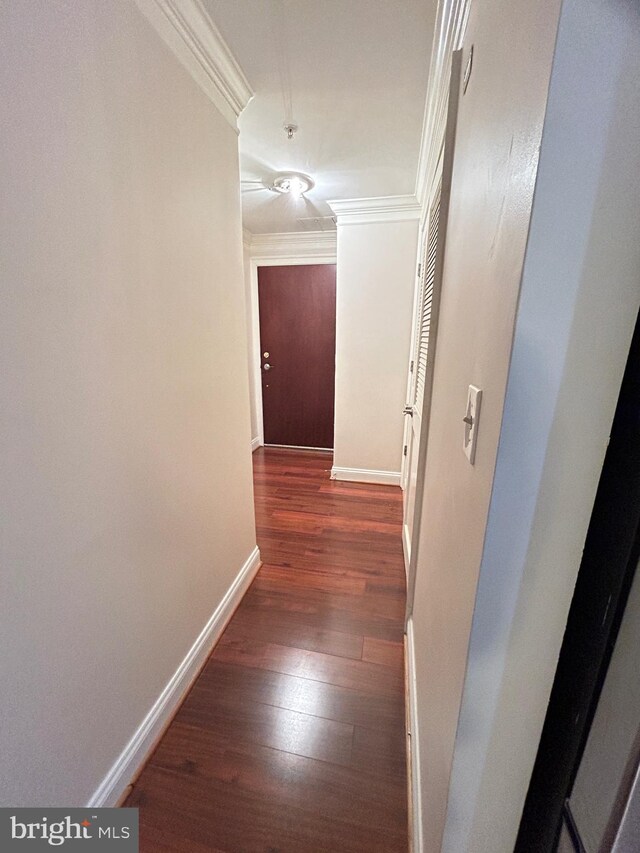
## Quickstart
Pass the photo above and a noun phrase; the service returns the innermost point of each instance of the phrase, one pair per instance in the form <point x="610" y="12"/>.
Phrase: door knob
<point x="408" y="410"/>
<point x="267" y="366"/>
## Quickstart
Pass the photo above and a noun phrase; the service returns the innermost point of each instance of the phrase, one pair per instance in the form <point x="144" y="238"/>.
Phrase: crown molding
<point x="189" y="32"/>
<point x="362" y="211"/>
<point x="451" y="23"/>
<point x="293" y="244"/>
<point x="247" y="237"/>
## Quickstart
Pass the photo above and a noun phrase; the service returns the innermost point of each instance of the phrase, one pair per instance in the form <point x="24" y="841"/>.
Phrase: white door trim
<point x="413" y="736"/>
<point x="442" y="176"/>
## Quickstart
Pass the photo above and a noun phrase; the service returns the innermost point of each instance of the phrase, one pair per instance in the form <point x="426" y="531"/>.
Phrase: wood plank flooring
<point x="292" y="738"/>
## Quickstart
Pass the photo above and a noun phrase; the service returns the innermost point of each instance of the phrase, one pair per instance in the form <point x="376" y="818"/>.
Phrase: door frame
<point x="613" y="536"/>
<point x="443" y="174"/>
<point x="284" y="256"/>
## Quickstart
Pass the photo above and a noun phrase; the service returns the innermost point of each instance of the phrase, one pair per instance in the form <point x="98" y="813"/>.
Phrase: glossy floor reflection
<point x="292" y="739"/>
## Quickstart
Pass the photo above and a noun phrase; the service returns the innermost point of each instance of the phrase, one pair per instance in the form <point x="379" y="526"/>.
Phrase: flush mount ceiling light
<point x="292" y="182"/>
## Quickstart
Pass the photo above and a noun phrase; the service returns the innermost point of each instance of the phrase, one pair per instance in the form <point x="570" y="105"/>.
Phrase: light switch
<point x="471" y="418"/>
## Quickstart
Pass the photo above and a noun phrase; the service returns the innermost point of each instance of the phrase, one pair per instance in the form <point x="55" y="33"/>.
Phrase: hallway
<point x="292" y="738"/>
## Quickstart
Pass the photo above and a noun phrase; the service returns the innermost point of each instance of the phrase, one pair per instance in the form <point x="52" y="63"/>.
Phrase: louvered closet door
<point x="427" y="303"/>
<point x="426" y="298"/>
<point x="424" y="317"/>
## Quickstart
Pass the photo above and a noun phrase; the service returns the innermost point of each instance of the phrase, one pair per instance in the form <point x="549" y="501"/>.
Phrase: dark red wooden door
<point x="298" y="331"/>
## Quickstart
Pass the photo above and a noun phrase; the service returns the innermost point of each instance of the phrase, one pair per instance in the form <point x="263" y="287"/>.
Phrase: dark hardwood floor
<point x="292" y="738"/>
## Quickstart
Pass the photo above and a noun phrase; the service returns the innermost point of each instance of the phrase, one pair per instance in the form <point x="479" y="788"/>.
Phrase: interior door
<point x="425" y="333"/>
<point x="609" y="561"/>
<point x="426" y="326"/>
<point x="297" y="306"/>
<point x="605" y="793"/>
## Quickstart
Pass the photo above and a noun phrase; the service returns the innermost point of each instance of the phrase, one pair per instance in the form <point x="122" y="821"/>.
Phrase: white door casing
<point x="423" y="350"/>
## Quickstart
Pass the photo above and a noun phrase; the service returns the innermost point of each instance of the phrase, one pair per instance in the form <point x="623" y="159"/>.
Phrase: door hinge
<point x="404" y="452"/>
<point x="411" y="367"/>
<point x="419" y="269"/>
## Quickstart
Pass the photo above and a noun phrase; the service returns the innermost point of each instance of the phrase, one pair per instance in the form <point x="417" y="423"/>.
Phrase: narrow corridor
<point x="292" y="738"/>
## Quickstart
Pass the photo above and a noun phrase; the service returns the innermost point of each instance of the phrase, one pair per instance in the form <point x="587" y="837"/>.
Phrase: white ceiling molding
<point x="295" y="244"/>
<point x="451" y="22"/>
<point x="362" y="211"/>
<point x="358" y="152"/>
<point x="187" y="29"/>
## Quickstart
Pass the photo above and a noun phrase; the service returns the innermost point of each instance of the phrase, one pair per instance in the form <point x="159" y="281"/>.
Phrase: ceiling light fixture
<point x="292" y="182"/>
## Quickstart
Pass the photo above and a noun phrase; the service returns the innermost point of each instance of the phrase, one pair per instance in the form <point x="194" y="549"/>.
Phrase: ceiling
<point x="352" y="74"/>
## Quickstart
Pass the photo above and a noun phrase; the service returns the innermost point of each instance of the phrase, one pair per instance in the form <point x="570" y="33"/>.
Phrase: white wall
<point x="375" y="286"/>
<point x="578" y="305"/>
<point x="126" y="483"/>
<point x="499" y="130"/>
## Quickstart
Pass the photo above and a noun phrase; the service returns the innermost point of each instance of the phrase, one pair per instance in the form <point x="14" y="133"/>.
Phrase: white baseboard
<point x="144" y="739"/>
<point x="406" y="547"/>
<point x="255" y="443"/>
<point x="415" y="787"/>
<point x="364" y="475"/>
